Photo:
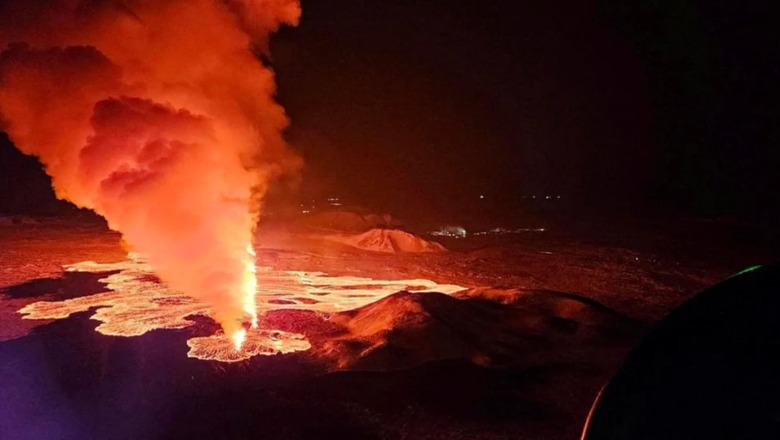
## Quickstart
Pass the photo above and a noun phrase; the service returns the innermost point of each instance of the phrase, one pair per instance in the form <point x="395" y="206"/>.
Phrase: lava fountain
<point x="159" y="116"/>
<point x="248" y="294"/>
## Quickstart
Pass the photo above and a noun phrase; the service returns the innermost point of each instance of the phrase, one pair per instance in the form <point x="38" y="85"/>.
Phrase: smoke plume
<point x="159" y="116"/>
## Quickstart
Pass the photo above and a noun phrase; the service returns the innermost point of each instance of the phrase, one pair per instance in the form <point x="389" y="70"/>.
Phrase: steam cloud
<point x="159" y="116"/>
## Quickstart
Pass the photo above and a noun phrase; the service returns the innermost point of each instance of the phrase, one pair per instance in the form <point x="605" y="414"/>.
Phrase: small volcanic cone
<point x="389" y="241"/>
<point x="159" y="116"/>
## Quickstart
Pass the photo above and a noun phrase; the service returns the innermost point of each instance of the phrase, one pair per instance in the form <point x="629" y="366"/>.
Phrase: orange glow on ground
<point x="136" y="303"/>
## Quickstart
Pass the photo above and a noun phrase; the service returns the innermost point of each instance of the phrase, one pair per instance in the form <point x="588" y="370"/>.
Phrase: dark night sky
<point x="450" y="100"/>
<point x="417" y="106"/>
<point x="666" y="104"/>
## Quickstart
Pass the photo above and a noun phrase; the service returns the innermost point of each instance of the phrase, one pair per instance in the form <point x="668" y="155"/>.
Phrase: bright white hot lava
<point x="135" y="302"/>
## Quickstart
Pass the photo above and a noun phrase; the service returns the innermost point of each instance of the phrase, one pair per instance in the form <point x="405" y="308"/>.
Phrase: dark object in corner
<point x="710" y="370"/>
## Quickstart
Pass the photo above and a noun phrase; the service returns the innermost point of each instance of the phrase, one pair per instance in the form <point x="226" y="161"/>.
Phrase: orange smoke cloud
<point x="158" y="115"/>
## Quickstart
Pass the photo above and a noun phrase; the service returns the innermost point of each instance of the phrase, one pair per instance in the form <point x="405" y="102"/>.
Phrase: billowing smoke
<point x="159" y="116"/>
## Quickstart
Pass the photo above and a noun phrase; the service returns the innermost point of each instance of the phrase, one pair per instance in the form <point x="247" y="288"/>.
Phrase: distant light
<point x="502" y="231"/>
<point x="548" y="197"/>
<point x="481" y="197"/>
<point x="559" y="197"/>
<point x="451" y="231"/>
<point x="533" y="197"/>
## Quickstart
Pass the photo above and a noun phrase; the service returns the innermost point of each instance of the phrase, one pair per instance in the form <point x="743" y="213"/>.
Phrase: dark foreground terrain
<point x="66" y="381"/>
<point x="521" y="353"/>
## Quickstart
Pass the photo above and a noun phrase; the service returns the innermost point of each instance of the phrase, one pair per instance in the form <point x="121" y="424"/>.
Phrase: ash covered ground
<point x="544" y="319"/>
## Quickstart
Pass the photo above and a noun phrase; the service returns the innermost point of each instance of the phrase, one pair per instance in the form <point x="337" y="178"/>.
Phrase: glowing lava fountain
<point x="248" y="294"/>
<point x="161" y="117"/>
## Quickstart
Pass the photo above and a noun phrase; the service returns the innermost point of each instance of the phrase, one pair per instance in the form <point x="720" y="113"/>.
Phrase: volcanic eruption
<point x="160" y="116"/>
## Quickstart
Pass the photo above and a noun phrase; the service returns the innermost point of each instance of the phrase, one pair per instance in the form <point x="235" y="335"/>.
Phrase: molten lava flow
<point x="137" y="303"/>
<point x="159" y="116"/>
<point x="257" y="343"/>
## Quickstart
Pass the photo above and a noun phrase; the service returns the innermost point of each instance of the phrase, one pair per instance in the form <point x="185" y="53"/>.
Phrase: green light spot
<point x="749" y="269"/>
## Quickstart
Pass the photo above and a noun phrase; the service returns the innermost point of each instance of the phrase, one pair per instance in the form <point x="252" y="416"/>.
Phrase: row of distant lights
<point x="531" y="197"/>
<point x="459" y="232"/>
<point x="332" y="201"/>
<point x="545" y="197"/>
<point x="502" y="231"/>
